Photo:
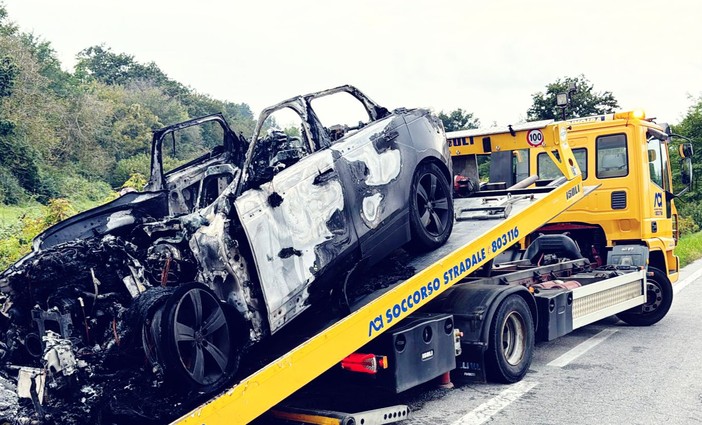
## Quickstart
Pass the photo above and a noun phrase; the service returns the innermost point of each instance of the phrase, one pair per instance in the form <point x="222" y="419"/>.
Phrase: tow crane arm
<point x="268" y="386"/>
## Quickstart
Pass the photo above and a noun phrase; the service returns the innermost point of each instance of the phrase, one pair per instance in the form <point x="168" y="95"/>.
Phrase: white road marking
<point x="487" y="410"/>
<point x="688" y="280"/>
<point x="582" y="348"/>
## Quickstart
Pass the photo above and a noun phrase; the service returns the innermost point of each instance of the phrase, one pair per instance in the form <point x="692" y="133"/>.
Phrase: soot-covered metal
<point x="140" y="308"/>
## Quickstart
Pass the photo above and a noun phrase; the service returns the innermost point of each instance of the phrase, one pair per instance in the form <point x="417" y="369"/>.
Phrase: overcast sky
<point x="486" y="57"/>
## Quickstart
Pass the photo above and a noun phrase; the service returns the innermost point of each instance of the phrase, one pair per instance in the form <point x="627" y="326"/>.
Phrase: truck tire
<point x="511" y="344"/>
<point x="430" y="209"/>
<point x="659" y="298"/>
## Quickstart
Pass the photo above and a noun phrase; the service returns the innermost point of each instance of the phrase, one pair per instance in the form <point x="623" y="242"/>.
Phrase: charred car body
<point x="214" y="256"/>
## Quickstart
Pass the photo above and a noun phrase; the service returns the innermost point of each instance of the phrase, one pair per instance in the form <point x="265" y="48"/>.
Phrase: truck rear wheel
<point x="511" y="344"/>
<point x="659" y="298"/>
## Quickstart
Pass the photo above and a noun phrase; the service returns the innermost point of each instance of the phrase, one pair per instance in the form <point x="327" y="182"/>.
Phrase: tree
<point x="6" y="27"/>
<point x="102" y="64"/>
<point x="583" y="102"/>
<point x="458" y="120"/>
<point x="69" y="134"/>
<point x="8" y="74"/>
<point x="690" y="205"/>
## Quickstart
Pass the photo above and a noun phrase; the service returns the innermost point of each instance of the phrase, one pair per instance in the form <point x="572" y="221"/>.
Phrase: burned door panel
<point x="373" y="160"/>
<point x="296" y="226"/>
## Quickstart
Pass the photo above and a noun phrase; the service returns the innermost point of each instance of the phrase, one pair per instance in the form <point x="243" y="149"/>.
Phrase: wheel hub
<point x="513" y="338"/>
<point x="432" y="200"/>
<point x="197" y="334"/>
<point x="654" y="297"/>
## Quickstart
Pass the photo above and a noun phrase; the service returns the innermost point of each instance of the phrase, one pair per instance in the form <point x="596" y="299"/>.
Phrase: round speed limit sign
<point x="535" y="138"/>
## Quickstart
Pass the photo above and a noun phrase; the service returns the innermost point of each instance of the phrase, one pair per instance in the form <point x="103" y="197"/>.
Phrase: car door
<point x="378" y="164"/>
<point x="297" y="226"/>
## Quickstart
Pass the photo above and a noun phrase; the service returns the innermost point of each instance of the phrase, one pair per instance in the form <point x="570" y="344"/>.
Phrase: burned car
<point x="175" y="283"/>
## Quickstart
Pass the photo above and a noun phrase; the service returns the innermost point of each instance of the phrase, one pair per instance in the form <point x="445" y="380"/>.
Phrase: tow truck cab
<point x="627" y="157"/>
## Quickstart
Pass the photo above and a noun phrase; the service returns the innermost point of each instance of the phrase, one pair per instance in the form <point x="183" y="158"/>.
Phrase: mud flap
<point x="470" y="365"/>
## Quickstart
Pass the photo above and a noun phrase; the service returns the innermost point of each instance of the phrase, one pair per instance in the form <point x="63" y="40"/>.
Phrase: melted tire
<point x="659" y="298"/>
<point x="431" y="209"/>
<point x="511" y="345"/>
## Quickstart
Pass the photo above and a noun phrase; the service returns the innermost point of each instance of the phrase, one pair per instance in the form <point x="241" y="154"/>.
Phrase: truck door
<point x="658" y="205"/>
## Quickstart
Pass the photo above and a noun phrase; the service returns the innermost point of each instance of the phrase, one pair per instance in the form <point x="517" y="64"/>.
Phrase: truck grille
<point x="618" y="200"/>
<point x="601" y="300"/>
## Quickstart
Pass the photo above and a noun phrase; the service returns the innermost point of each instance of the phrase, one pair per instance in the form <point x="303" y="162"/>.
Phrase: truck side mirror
<point x="660" y="135"/>
<point x="685" y="150"/>
<point x="686" y="171"/>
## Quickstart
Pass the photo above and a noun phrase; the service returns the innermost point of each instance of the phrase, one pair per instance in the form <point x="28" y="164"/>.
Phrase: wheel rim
<point x="432" y="204"/>
<point x="201" y="335"/>
<point x="513" y="338"/>
<point x="654" y="297"/>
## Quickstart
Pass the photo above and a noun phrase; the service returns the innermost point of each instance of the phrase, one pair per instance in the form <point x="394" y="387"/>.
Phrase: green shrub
<point x="136" y="181"/>
<point x="11" y="192"/>
<point x="49" y="185"/>
<point x="16" y="238"/>
<point x="137" y="164"/>
<point x="690" y="208"/>
<point x="687" y="225"/>
<point x="80" y="189"/>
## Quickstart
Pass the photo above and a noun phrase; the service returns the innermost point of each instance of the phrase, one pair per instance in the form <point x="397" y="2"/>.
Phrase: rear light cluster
<point x="364" y="363"/>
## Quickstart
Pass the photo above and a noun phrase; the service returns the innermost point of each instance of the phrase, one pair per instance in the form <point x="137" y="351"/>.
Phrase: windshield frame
<point x="232" y="144"/>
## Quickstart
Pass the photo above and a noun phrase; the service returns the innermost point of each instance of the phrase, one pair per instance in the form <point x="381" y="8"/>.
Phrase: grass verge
<point x="689" y="248"/>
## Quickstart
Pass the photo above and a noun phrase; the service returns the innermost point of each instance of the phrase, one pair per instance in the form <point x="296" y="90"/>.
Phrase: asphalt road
<point x="604" y="373"/>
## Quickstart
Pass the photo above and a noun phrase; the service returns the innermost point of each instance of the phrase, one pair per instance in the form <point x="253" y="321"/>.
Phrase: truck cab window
<point x="547" y="170"/>
<point x="612" y="156"/>
<point x="520" y="164"/>
<point x="658" y="163"/>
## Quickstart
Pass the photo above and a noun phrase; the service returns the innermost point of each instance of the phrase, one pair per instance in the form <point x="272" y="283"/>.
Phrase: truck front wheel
<point x="659" y="298"/>
<point x="511" y="345"/>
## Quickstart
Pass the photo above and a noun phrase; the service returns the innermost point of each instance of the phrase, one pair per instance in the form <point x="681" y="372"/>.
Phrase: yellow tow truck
<point x="460" y="310"/>
<point x="630" y="219"/>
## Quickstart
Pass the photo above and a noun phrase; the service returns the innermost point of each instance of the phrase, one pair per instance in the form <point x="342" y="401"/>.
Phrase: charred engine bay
<point x="75" y="329"/>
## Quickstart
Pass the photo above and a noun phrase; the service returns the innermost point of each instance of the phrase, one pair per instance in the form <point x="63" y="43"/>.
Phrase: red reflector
<point x="364" y="363"/>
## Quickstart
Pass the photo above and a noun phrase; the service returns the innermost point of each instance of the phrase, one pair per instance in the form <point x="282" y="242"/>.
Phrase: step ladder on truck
<point x="496" y="312"/>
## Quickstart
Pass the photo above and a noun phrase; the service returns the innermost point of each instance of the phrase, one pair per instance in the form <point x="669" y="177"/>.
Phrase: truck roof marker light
<point x="364" y="363"/>
<point x="636" y="114"/>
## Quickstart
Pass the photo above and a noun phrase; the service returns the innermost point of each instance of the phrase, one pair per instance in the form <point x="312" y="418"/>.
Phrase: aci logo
<point x="658" y="200"/>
